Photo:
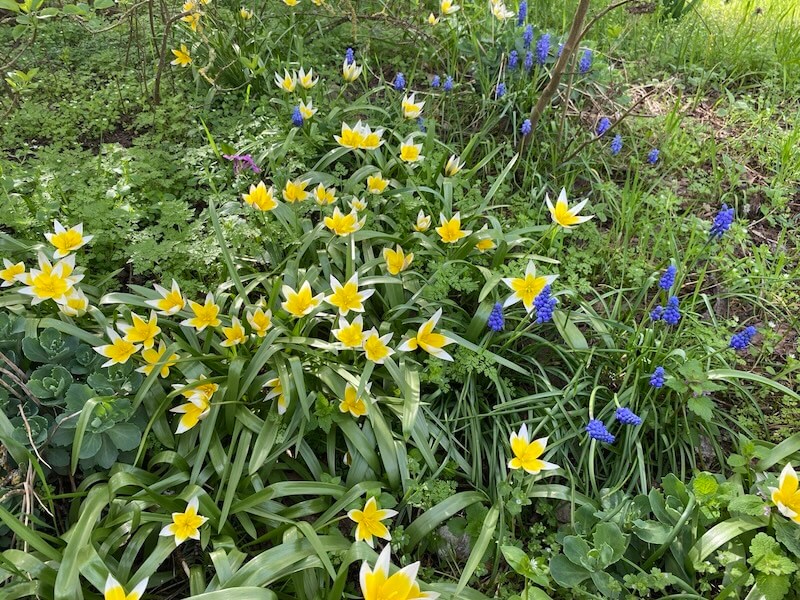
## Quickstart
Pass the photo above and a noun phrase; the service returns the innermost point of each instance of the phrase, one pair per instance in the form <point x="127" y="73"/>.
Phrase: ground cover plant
<point x="324" y="299"/>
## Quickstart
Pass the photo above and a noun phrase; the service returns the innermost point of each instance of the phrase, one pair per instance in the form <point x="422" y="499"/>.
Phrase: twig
<point x="602" y="14"/>
<point x="163" y="57"/>
<point x="575" y="32"/>
<point x="613" y="125"/>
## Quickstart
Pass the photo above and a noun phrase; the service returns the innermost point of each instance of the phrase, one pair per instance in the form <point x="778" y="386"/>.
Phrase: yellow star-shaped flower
<point x="301" y="302"/>
<point x="185" y="525"/>
<point x="347" y="297"/>
<point x="528" y="287"/>
<point x="427" y="339"/>
<point x="369" y="526"/>
<point x="527" y="453"/>
<point x="562" y="214"/>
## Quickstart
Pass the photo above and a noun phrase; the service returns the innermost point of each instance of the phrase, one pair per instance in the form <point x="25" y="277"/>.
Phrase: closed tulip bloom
<point x="295" y="191"/>
<point x="288" y="82"/>
<point x="423" y="222"/>
<point x="260" y="321"/>
<point x="453" y="166"/>
<point x="352" y="404"/>
<point x="397" y="260"/>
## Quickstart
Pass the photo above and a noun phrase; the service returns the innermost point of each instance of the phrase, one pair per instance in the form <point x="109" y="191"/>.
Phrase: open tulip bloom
<point x="377" y="584"/>
<point x="787" y="495"/>
<point x="527" y="453"/>
<point x="185" y="525"/>
<point x="368" y="522"/>
<point x="430" y="341"/>
<point x="66" y="240"/>
<point x="528" y="287"/>
<point x="562" y="214"/>
<point x="113" y="590"/>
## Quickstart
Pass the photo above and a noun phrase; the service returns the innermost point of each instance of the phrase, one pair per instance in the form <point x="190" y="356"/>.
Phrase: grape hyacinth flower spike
<point x="597" y="431"/>
<point x="627" y="417"/>
<point x="616" y="145"/>
<point x="496" y="320"/>
<point x="668" y="278"/>
<point x="741" y="340"/>
<point x="658" y="377"/>
<point x="722" y="222"/>
<point x="586" y="62"/>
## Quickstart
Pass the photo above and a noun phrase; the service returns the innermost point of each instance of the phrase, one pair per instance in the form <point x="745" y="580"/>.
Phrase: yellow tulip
<point x="369" y="526"/>
<point x="185" y="525"/>
<point x="528" y="287"/>
<point x="427" y="339"/>
<point x="527" y="453"/>
<point x="562" y="214"/>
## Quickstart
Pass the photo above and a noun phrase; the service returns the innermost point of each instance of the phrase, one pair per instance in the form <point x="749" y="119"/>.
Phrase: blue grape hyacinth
<point x="543" y="48"/>
<point x="496" y="320"/>
<point x="722" y="222"/>
<point x="513" y="59"/>
<point x="500" y="91"/>
<point x="597" y="431"/>
<point x="436" y="81"/>
<point x="544" y="304"/>
<point x="603" y="125"/>
<point x="658" y="377"/>
<point x="741" y="340"/>
<point x="297" y="117"/>
<point x="560" y="50"/>
<point x="627" y="417"/>
<point x="652" y="156"/>
<point x="668" y="277"/>
<point x="399" y="82"/>
<point x="585" y="62"/>
<point x="527" y="37"/>
<point x="349" y="56"/>
<point x="616" y="145"/>
<point x="672" y="313"/>
<point x="528" y="64"/>
<point x="448" y="84"/>
<point x="522" y="13"/>
<point x="526" y="127"/>
<point x="657" y="313"/>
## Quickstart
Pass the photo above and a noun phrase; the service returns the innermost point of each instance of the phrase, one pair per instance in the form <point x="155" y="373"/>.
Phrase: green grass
<point x="83" y="142"/>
